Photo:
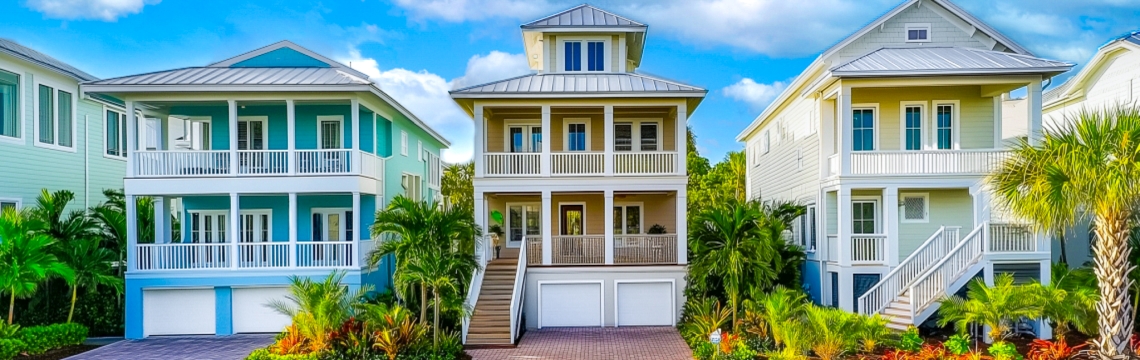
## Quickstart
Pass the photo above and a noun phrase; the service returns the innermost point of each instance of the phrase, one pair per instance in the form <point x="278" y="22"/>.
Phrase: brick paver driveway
<point x="649" y="343"/>
<point x="180" y="348"/>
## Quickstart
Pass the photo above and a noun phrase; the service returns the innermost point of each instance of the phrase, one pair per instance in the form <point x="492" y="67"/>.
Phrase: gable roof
<point x="584" y="16"/>
<point x="1077" y="83"/>
<point x="28" y="54"/>
<point x="945" y="60"/>
<point x="258" y="76"/>
<point x="264" y="56"/>
<point x="605" y="84"/>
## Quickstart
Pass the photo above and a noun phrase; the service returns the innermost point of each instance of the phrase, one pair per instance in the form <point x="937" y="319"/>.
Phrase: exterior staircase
<point x="496" y="296"/>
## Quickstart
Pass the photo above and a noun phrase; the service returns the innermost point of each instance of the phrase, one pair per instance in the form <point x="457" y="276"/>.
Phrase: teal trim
<point x="224" y="310"/>
<point x="282" y="57"/>
<point x="384" y="131"/>
<point x="367" y="131"/>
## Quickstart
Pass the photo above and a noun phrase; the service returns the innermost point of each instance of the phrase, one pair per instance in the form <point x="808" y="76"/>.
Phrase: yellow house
<point x="886" y="137"/>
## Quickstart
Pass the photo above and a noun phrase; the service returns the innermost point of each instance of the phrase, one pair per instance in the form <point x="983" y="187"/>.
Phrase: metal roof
<point x="239" y="76"/>
<point x="600" y="83"/>
<point x="15" y="49"/>
<point x="583" y="15"/>
<point x="945" y="61"/>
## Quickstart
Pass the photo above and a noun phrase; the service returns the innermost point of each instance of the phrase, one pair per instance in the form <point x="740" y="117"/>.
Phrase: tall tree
<point x="1089" y="167"/>
<point x="92" y="266"/>
<point x="50" y="217"/>
<point x="27" y="258"/>
<point x="458" y="188"/>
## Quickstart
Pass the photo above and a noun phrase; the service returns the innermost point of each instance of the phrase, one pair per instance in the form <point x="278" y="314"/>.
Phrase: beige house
<point x="584" y="161"/>
<point x="886" y="137"/>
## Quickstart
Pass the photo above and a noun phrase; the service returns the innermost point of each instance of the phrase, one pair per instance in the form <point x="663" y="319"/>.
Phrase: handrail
<point x="879" y="296"/>
<point x="517" y="295"/>
<point x="481" y="258"/>
<point x="923" y="294"/>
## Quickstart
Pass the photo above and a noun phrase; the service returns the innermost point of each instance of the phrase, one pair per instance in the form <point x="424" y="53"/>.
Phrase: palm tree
<point x="48" y="217"/>
<point x="1089" y="167"/>
<point x="997" y="306"/>
<point x="92" y="265"/>
<point x="1069" y="300"/>
<point x="435" y="270"/>
<point x="27" y="258"/>
<point x="318" y="307"/>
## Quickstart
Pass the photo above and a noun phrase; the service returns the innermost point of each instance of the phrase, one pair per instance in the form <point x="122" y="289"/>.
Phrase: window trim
<point x="527" y="125"/>
<point x="403" y="143"/>
<point x="122" y="128"/>
<point x="566" y="122"/>
<point x="876" y="126"/>
<point x="916" y="26"/>
<point x="955" y="124"/>
<point x="56" y="87"/>
<point x="320" y="131"/>
<point x="878" y="213"/>
<point x="585" y="224"/>
<point x="20" y="115"/>
<point x="342" y="211"/>
<point x="19" y="202"/>
<point x="923" y="141"/>
<point x="926" y="207"/>
<point x="561" y="56"/>
<point x="640" y="216"/>
<point x="635" y="133"/>
<point x="419" y="185"/>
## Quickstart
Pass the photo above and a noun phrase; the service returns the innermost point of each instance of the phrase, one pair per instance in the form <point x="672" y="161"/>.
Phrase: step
<point x="490" y="337"/>
<point x="489" y="328"/>
<point x="896" y="313"/>
<point x="477" y="342"/>
<point x="898" y="326"/>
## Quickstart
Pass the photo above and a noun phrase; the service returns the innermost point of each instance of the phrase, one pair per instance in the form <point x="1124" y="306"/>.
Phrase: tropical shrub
<point x="1069" y="300"/>
<point x="40" y="339"/>
<point x="998" y="306"/>
<point x="393" y="328"/>
<point x="700" y="318"/>
<point x="27" y="257"/>
<point x="266" y="354"/>
<point x="957" y="344"/>
<point x="832" y="331"/>
<point x="8" y="331"/>
<point x="871" y="332"/>
<point x="289" y="342"/>
<point x="1052" y="350"/>
<point x="318" y="307"/>
<point x="782" y="310"/>
<point x="1002" y="350"/>
<point x="9" y="348"/>
<point x="910" y="341"/>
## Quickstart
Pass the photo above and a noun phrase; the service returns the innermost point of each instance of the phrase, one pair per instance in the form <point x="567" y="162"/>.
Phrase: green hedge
<point x="264" y="354"/>
<point x="9" y="348"/>
<point x="39" y="339"/>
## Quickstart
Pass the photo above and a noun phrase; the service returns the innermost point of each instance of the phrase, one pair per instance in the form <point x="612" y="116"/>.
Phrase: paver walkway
<point x="180" y="348"/>
<point x="649" y="343"/>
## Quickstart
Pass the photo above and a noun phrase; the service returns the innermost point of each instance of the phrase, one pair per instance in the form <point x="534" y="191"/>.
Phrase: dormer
<point x="584" y="39"/>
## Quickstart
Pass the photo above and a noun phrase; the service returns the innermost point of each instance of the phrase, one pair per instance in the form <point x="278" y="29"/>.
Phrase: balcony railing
<point x="868" y="248"/>
<point x="263" y="162"/>
<point x="645" y="163"/>
<point x="513" y="164"/>
<point x="575" y="163"/>
<point x="645" y="249"/>
<point x="578" y="250"/>
<point x="935" y="162"/>
<point x="193" y="163"/>
<point x="534" y="250"/>
<point x="254" y="255"/>
<point x="578" y="163"/>
<point x="1010" y="238"/>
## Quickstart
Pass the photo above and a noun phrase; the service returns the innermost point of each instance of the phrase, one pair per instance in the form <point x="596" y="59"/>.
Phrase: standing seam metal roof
<point x="15" y="49"/>
<point x="948" y="59"/>
<point x="239" y="76"/>
<point x="579" y="83"/>
<point x="583" y="15"/>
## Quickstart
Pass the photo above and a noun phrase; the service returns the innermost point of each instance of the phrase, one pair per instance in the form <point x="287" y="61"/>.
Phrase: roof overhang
<point x="1047" y="72"/>
<point x="692" y="98"/>
<point x="1077" y="87"/>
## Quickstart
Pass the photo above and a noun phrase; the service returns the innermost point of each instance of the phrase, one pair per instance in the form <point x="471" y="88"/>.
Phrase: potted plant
<point x="656" y="229"/>
<point x="496" y="230"/>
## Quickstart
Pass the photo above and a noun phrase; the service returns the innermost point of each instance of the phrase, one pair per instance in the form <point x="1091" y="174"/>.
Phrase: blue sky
<point x="742" y="51"/>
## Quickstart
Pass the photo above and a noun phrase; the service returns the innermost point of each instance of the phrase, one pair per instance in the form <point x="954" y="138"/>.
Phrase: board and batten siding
<point x="789" y="169"/>
<point x="893" y="33"/>
<point x="975" y="113"/>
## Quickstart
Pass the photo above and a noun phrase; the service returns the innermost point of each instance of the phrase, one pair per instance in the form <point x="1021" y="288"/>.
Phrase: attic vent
<point x="917" y="32"/>
<point x="914" y="208"/>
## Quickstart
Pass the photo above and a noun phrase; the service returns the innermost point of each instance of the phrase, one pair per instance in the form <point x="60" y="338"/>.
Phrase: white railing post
<point x="292" y="251"/>
<point x="544" y="160"/>
<point x="546" y="227"/>
<point x="609" y="229"/>
<point x="233" y="127"/>
<point x="291" y="124"/>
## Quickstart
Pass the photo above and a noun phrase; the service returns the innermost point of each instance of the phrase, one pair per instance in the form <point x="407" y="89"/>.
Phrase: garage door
<point x="578" y="304"/>
<point x="179" y="312"/>
<point x="645" y="304"/>
<point x="251" y="315"/>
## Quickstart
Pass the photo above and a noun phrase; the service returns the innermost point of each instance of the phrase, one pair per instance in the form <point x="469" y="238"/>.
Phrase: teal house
<point x="45" y="119"/>
<point x="276" y="162"/>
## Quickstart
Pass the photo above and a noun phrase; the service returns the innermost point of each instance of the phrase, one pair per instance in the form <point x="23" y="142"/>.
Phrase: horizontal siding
<point x="976" y="113"/>
<point x="1117" y="81"/>
<point x="790" y="168"/>
<point x="892" y="33"/>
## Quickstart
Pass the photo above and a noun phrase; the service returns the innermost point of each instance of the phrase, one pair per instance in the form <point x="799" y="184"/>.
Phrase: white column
<point x="891" y="207"/>
<point x="356" y="228"/>
<point x="1033" y="106"/>
<point x="233" y="122"/>
<point x="682" y="226"/>
<point x="546" y="227"/>
<point x="481" y="220"/>
<point x="609" y="230"/>
<point x="682" y="138"/>
<point x="997" y="122"/>
<point x="544" y="161"/>
<point x="161" y="220"/>
<point x="132" y="228"/>
<point x="235" y="224"/>
<point x="843" y="121"/>
<point x="843" y="212"/>
<point x="826" y="134"/>
<point x="292" y="229"/>
<point x="608" y="146"/>
<point x="375" y="136"/>
<point x="291" y="121"/>
<point x="1044" y="331"/>
<point x="354" y="105"/>
<point x="480" y="138"/>
<point x="132" y="139"/>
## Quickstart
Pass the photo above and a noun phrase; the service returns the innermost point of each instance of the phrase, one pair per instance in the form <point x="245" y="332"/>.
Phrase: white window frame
<point x="916" y="26"/>
<point x="878" y="213"/>
<point x="923" y="142"/>
<point x="20" y="115"/>
<point x="561" y="56"/>
<point x="18" y="201"/>
<point x="343" y="212"/>
<point x="264" y="120"/>
<point x="255" y="212"/>
<point x="765" y="142"/>
<point x="417" y="184"/>
<point x="877" y="125"/>
<point x="955" y="123"/>
<point x="507" y="218"/>
<point x="635" y="133"/>
<point x="566" y="132"/>
<point x="320" y="131"/>
<point x="585" y="225"/>
<point x="926" y="207"/>
<point x="122" y="127"/>
<point x="640" y="216"/>
<point x="527" y="126"/>
<point x="56" y="88"/>
<point x="403" y="143"/>
<point x="189" y="216"/>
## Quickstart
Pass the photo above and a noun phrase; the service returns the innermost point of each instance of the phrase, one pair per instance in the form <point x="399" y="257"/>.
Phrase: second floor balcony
<point x="934" y="162"/>
<point x="208" y="163"/>
<point x="582" y="164"/>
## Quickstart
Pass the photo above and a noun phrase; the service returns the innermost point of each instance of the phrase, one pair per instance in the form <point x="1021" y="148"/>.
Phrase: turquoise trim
<point x="224" y="310"/>
<point x="282" y="57"/>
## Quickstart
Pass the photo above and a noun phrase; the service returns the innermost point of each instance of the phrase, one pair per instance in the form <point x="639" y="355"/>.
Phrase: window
<point x="765" y="141"/>
<point x="639" y="135"/>
<point x="255" y="226"/>
<point x="6" y="204"/>
<point x="811" y="233"/>
<point x="54" y="116"/>
<point x="576" y="137"/>
<point x="9" y="103"/>
<point x="594" y="57"/>
<point x="523" y="220"/>
<point x="863" y="217"/>
<point x="404" y="143"/>
<point x="627" y="219"/>
<point x="412" y="186"/>
<point x="573" y="60"/>
<point x="252" y="133"/>
<point x="917" y="32"/>
<point x="649" y="137"/>
<point x="804" y="230"/>
<point x="863" y="131"/>
<point x="329" y="131"/>
<point x="914" y="208"/>
<point x="944" y="126"/>
<point x="116" y="137"/>
<point x="524" y="138"/>
<point x="623" y="137"/>
<point x="208" y="226"/>
<point x="912" y="116"/>
<point x="332" y="225"/>
<point x="572" y="219"/>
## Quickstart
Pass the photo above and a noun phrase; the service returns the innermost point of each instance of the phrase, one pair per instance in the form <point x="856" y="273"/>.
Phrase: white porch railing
<point x="1010" y="238"/>
<point x="534" y="250"/>
<point x="868" y="248"/>
<point x="263" y="162"/>
<point x="518" y="294"/>
<point x="645" y="249"/>
<point x="645" y="163"/>
<point x="578" y="250"/>
<point x="323" y="162"/>
<point x="936" y="247"/>
<point x="325" y="254"/>
<point x="513" y="164"/>
<point x="932" y="162"/>
<point x="182" y="256"/>
<point x="182" y="163"/>
<point x="371" y="166"/>
<point x="263" y="255"/>
<point x="254" y="255"/>
<point x="577" y="163"/>
<point x="933" y="284"/>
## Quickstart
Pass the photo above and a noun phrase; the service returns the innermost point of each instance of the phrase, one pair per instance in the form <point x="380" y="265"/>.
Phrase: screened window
<point x="863" y="131"/>
<point x="913" y="127"/>
<point x="116" y="137"/>
<point x="623" y="137"/>
<point x="576" y="137"/>
<point x="945" y="126"/>
<point x="914" y="208"/>
<point x="9" y="101"/>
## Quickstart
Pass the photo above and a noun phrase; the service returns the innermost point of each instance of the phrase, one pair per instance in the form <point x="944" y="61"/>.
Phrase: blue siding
<point x="305" y="204"/>
<point x="384" y="131"/>
<point x="811" y="280"/>
<point x="279" y="205"/>
<point x="367" y="130"/>
<point x="307" y="123"/>
<point x="224" y="310"/>
<point x="282" y="57"/>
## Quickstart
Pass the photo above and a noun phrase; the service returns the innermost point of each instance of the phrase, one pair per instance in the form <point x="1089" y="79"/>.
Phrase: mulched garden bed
<point x="60" y="353"/>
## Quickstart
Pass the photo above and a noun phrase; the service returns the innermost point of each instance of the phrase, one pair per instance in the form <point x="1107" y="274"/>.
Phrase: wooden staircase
<point x="898" y="313"/>
<point x="491" y="321"/>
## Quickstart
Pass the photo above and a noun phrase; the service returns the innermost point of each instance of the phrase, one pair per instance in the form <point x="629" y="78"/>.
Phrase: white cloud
<point x="496" y="65"/>
<point x="755" y="94"/>
<point x="463" y="10"/>
<point x="106" y="10"/>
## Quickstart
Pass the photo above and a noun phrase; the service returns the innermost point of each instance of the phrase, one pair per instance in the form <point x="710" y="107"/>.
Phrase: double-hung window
<point x="863" y="130"/>
<point x="116" y="137"/>
<point x="54" y="111"/>
<point x="576" y="137"/>
<point x="591" y="58"/>
<point x="9" y="102"/>
<point x="640" y="136"/>
<point x="913" y="127"/>
<point x="944" y="126"/>
<point x="627" y="219"/>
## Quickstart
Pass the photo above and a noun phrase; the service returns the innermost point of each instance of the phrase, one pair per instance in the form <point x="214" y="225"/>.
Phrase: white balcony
<point x="868" y="249"/>
<point x="657" y="249"/>
<point x="932" y="162"/>
<point x="529" y="164"/>
<point x="213" y="163"/>
<point x="252" y="255"/>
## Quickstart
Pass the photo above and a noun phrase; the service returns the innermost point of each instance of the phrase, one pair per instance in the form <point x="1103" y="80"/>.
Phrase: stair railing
<point x="931" y="286"/>
<point x="517" y="294"/>
<point x="891" y="286"/>
<point x="482" y="256"/>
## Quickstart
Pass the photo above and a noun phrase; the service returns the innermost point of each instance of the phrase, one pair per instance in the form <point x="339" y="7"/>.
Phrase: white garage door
<point x="645" y="304"/>
<point x="570" y="305"/>
<point x="251" y="315"/>
<point x="179" y="312"/>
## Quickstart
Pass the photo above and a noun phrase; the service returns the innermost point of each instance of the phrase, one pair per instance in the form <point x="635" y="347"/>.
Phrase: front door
<point x="524" y="138"/>
<point x="572" y="222"/>
<point x="523" y="220"/>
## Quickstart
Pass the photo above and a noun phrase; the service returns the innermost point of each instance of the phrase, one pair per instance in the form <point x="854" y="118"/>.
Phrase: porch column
<point x="544" y="161"/>
<point x="891" y="206"/>
<point x="682" y="225"/>
<point x="609" y="230"/>
<point x="354" y="106"/>
<point x="233" y="122"/>
<point x="682" y="141"/>
<point x="356" y="234"/>
<point x="132" y="231"/>
<point x="480" y="138"/>
<point x="826" y="135"/>
<point x="546" y="227"/>
<point x="481" y="220"/>
<point x="292" y="229"/>
<point x="997" y="122"/>
<point x="843" y="121"/>
<point x="132" y="140"/>
<point x="843" y="235"/>
<point x="608" y="146"/>
<point x="291" y="121"/>
<point x="1033" y="106"/>
<point x="235" y="224"/>
<point x="161" y="220"/>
